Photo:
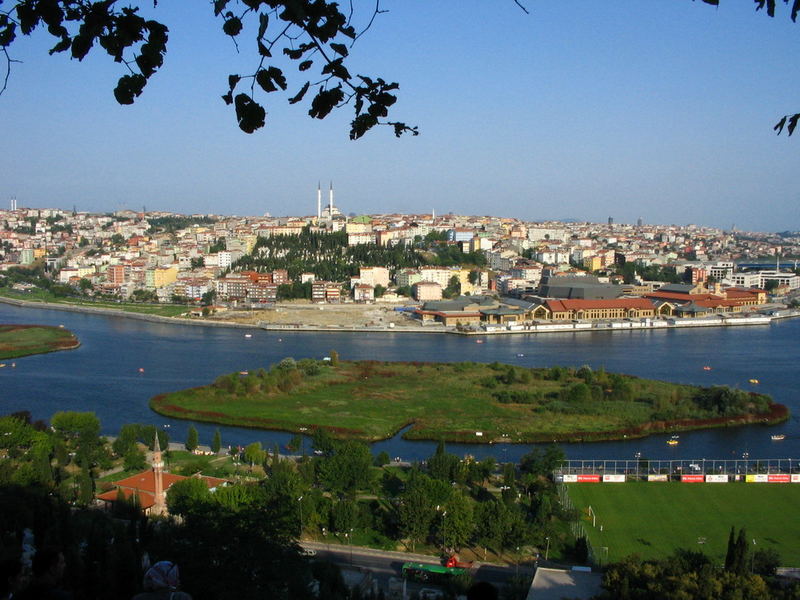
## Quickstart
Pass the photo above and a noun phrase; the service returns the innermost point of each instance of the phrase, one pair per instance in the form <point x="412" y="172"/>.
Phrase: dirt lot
<point x="305" y="314"/>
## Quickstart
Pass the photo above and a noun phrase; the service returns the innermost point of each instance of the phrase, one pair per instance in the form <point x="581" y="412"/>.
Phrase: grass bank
<point x="42" y="296"/>
<point x="460" y="402"/>
<point x="654" y="519"/>
<point x="23" y="340"/>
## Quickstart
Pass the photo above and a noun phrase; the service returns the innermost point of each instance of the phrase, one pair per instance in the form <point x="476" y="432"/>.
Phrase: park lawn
<point x="653" y="519"/>
<point x="24" y="340"/>
<point x="166" y="310"/>
<point x="457" y="402"/>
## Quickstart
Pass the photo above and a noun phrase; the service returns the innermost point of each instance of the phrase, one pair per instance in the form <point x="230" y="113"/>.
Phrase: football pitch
<point x="653" y="519"/>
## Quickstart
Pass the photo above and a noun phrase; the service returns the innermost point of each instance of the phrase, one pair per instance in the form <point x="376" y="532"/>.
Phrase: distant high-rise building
<point x="610" y="220"/>
<point x="639" y="222"/>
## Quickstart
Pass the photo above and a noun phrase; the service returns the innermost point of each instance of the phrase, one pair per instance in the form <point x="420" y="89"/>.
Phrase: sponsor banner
<point x="588" y="478"/>
<point x="613" y="478"/>
<point x="716" y="478"/>
<point x="570" y="478"/>
<point x="756" y="478"/>
<point x="778" y="478"/>
<point x="795" y="478"/>
<point x="662" y="477"/>
<point x="692" y="478"/>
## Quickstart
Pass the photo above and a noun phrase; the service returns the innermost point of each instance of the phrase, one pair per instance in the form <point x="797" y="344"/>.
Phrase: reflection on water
<point x="103" y="375"/>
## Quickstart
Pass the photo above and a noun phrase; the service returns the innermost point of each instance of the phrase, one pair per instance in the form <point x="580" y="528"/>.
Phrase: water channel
<point x="104" y="376"/>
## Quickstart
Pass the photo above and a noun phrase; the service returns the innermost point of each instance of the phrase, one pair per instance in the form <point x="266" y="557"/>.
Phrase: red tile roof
<point x="567" y="305"/>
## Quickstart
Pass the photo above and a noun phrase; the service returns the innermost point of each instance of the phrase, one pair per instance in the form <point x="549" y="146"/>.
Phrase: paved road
<point x="385" y="565"/>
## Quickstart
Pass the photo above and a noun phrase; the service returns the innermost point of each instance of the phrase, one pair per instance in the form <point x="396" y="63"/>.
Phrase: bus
<point x="431" y="573"/>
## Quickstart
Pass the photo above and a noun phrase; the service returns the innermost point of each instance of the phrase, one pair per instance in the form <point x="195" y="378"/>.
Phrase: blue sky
<point x="580" y="109"/>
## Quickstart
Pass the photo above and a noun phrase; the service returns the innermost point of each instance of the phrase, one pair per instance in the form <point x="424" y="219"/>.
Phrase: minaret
<point x="160" y="504"/>
<point x="319" y="202"/>
<point x="330" y="201"/>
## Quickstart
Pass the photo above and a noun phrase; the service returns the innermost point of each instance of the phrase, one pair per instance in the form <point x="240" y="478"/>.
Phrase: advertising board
<point x="692" y="478"/>
<point x="716" y="478"/>
<point x="756" y="478"/>
<point x="570" y="478"/>
<point x="658" y="477"/>
<point x="588" y="478"/>
<point x="795" y="478"/>
<point x="778" y="478"/>
<point x="613" y="478"/>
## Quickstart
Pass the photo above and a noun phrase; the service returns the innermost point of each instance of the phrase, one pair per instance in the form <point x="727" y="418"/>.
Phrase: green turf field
<point x="653" y="519"/>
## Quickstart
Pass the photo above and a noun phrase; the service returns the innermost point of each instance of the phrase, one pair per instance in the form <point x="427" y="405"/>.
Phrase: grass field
<point x="653" y="519"/>
<point x="23" y="340"/>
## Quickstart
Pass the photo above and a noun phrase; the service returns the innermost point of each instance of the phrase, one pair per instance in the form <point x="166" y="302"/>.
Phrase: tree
<point x="311" y="35"/>
<point x="192" y="439"/>
<point x="348" y="469"/>
<point x="254" y="454"/>
<point x="187" y="495"/>
<point x="216" y="443"/>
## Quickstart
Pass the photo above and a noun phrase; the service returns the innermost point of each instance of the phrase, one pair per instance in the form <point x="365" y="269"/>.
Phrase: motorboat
<point x="673" y="442"/>
<point x="754" y="381"/>
<point x="778" y="437"/>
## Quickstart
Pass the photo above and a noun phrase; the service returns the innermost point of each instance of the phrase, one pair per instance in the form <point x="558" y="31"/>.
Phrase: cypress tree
<point x="192" y="439"/>
<point x="216" y="443"/>
<point x="731" y="553"/>
<point x="740" y="554"/>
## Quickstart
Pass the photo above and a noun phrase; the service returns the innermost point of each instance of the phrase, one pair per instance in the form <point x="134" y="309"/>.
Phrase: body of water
<point x="123" y="362"/>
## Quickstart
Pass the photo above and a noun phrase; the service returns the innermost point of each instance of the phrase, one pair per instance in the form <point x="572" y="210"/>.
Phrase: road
<point x="384" y="564"/>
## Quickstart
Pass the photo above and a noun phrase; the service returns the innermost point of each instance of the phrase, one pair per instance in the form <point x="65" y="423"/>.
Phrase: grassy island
<point x="23" y="340"/>
<point x="464" y="402"/>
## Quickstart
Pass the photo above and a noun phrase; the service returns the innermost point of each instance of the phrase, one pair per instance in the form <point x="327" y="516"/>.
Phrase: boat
<point x="777" y="437"/>
<point x="2" y="365"/>
<point x="478" y="341"/>
<point x="706" y="368"/>
<point x="248" y="335"/>
<point x="754" y="381"/>
<point x="673" y="442"/>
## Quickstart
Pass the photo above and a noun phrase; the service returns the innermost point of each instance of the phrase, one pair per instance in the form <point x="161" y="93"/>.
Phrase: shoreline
<point x="611" y="325"/>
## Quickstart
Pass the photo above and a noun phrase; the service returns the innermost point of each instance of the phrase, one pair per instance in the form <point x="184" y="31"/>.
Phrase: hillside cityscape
<point x="226" y="263"/>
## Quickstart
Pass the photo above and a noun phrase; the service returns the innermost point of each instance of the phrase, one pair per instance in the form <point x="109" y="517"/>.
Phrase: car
<point x="308" y="552"/>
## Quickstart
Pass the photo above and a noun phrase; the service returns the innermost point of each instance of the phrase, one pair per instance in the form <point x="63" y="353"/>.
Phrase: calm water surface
<point x="103" y="374"/>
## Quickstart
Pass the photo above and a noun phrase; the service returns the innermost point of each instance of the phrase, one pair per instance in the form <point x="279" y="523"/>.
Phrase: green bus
<point x="430" y="573"/>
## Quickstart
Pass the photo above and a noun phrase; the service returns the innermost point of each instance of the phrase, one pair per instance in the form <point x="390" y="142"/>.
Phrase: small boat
<point x="141" y="370"/>
<point x="520" y="355"/>
<point x="777" y="437"/>
<point x="2" y="365"/>
<point x="478" y="341"/>
<point x="248" y="335"/>
<point x="754" y="381"/>
<point x="673" y="442"/>
<point x="675" y="437"/>
<point x="706" y="368"/>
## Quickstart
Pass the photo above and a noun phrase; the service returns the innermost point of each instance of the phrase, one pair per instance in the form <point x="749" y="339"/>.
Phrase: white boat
<point x="777" y="437"/>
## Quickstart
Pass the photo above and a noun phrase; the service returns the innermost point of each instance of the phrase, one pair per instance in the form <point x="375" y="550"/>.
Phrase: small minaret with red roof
<point x="159" y="500"/>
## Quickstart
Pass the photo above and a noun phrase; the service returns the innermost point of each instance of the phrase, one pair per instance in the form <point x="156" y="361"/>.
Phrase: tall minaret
<point x="160" y="504"/>
<point x="319" y="202"/>
<point x="330" y="201"/>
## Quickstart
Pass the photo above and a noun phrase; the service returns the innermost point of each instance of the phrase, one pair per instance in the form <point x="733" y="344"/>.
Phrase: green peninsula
<point x="23" y="340"/>
<point x="461" y="402"/>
